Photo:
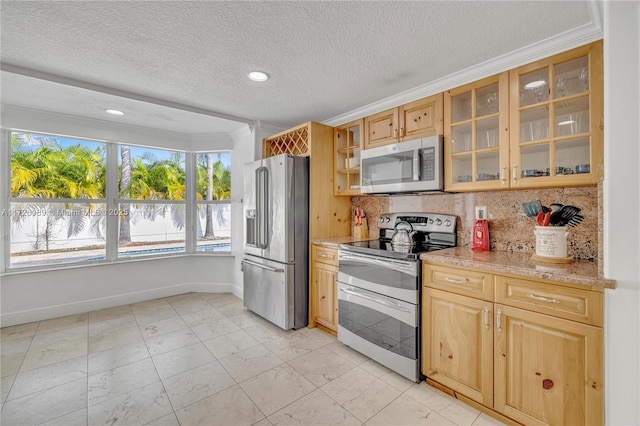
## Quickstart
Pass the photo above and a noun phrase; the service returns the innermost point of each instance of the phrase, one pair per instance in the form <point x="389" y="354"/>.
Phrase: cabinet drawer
<point x="571" y="303"/>
<point x="459" y="281"/>
<point x="324" y="254"/>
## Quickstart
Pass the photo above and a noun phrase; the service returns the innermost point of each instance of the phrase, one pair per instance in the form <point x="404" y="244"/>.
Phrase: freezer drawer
<point x="269" y="290"/>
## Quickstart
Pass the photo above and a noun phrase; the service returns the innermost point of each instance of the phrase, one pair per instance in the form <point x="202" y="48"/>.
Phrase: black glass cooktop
<point x="386" y="249"/>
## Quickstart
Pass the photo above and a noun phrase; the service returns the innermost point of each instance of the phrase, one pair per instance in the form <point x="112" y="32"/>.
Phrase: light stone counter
<point x="333" y="242"/>
<point x="582" y="272"/>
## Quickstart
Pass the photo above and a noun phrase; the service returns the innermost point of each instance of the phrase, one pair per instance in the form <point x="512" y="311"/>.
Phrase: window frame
<point x="111" y="201"/>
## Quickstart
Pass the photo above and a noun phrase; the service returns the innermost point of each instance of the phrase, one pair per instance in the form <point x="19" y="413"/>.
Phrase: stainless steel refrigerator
<point x="275" y="264"/>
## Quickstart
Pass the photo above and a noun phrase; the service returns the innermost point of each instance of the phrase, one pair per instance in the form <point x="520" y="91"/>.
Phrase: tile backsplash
<point x="509" y="228"/>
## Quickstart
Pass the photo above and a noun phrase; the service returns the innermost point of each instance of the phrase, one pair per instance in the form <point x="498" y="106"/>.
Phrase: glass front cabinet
<point x="539" y="125"/>
<point x="476" y="135"/>
<point x="347" y="157"/>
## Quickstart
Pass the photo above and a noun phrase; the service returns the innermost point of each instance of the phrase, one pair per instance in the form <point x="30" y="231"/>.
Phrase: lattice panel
<point x="295" y="142"/>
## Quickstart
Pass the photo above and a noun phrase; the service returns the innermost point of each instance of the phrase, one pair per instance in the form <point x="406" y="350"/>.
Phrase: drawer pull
<point x="454" y="281"/>
<point x="499" y="320"/>
<point x="542" y="299"/>
<point x="326" y="255"/>
<point x="486" y="317"/>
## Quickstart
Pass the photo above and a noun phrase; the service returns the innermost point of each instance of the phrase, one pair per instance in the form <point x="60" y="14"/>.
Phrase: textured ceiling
<point x="324" y="58"/>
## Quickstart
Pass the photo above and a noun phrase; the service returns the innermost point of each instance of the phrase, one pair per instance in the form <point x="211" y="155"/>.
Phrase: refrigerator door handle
<point x="260" y="265"/>
<point x="262" y="206"/>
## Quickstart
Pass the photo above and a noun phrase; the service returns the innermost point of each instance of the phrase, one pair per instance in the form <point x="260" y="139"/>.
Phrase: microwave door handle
<point x="416" y="165"/>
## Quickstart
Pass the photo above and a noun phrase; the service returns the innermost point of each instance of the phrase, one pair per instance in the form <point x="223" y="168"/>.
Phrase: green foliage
<point x="220" y="183"/>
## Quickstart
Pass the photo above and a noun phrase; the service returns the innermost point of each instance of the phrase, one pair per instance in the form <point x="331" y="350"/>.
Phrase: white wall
<point x="622" y="211"/>
<point x="31" y="296"/>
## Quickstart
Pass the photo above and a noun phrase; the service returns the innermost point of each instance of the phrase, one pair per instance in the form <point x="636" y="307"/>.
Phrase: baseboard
<point x="56" y="311"/>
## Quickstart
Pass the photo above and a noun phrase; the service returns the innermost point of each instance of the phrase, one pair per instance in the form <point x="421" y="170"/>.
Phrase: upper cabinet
<point x="476" y="132"/>
<point x="539" y="125"/>
<point x="410" y="121"/>
<point x="347" y="142"/>
<point x="557" y="120"/>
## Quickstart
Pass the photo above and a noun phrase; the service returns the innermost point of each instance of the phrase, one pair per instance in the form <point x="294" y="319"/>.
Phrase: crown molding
<point x="568" y="40"/>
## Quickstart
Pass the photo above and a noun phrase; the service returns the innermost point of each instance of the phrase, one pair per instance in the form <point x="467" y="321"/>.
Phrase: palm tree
<point x="125" y="192"/>
<point x="214" y="183"/>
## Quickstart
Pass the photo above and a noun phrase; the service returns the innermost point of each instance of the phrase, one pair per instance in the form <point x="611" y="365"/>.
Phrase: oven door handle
<point x="407" y="267"/>
<point x="374" y="299"/>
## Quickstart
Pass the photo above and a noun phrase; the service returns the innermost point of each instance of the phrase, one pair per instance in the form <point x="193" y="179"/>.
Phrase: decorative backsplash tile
<point x="509" y="228"/>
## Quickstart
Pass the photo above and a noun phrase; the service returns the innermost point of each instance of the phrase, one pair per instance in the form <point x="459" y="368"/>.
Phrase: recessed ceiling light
<point x="113" y="112"/>
<point x="565" y="123"/>
<point x="258" y="76"/>
<point x="535" y="84"/>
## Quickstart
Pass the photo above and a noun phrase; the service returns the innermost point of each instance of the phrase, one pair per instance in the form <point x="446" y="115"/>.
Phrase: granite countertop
<point x="582" y="272"/>
<point x="332" y="242"/>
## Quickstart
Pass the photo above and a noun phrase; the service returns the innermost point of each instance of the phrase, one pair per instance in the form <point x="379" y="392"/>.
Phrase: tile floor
<point x="202" y="359"/>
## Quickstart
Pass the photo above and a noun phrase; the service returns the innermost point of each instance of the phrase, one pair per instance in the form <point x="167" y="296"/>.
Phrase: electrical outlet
<point x="481" y="212"/>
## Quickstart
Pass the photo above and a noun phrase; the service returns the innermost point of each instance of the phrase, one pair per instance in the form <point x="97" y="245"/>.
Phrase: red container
<point x="480" y="237"/>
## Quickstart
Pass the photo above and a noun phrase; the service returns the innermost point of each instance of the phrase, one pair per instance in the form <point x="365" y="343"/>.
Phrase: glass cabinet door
<point x="476" y="135"/>
<point x="347" y="144"/>
<point x="554" y="140"/>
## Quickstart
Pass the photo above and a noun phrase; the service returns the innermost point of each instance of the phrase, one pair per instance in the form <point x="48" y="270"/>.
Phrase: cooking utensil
<point x="545" y="221"/>
<point x="540" y="218"/>
<point x="403" y="235"/>
<point x="531" y="208"/>
<point x="575" y="220"/>
<point x="563" y="216"/>
<point x="555" y="207"/>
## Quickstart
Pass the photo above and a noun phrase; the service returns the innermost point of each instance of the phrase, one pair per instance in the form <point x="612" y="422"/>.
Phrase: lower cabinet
<point x="323" y="301"/>
<point x="532" y="367"/>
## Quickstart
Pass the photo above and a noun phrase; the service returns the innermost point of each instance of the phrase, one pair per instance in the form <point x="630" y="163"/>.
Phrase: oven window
<point x="378" y="328"/>
<point x="379" y="275"/>
<point x="391" y="168"/>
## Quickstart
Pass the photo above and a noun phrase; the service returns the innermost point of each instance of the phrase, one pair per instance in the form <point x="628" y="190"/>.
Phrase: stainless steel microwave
<point x="411" y="166"/>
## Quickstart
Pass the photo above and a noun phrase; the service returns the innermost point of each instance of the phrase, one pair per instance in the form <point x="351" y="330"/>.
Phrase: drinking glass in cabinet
<point x="571" y="77"/>
<point x="534" y="87"/>
<point x="461" y="107"/>
<point x="488" y="166"/>
<point x="534" y="124"/>
<point x="535" y="160"/>
<point x="487" y="133"/>
<point x="461" y="137"/>
<point x="584" y="78"/>
<point x="572" y="152"/>
<point x="462" y="168"/>
<point x="487" y="100"/>
<point x="571" y="123"/>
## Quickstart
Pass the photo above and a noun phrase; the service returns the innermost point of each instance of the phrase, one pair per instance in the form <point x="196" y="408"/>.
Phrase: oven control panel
<point x="422" y="222"/>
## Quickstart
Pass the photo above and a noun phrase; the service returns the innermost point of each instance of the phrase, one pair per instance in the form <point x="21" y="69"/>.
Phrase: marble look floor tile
<point x="485" y="420"/>
<point x="107" y="324"/>
<point x="46" y="405"/>
<point x="10" y="364"/>
<point x="265" y="332"/>
<point x="39" y="357"/>
<point x="158" y="311"/>
<point x="113" y="339"/>
<point x="69" y="321"/>
<point x="406" y="411"/>
<point x="276" y="388"/>
<point x="245" y="319"/>
<point x="214" y="328"/>
<point x="429" y="396"/>
<point x="168" y="420"/>
<point x="48" y="376"/>
<point x="182" y="359"/>
<point x="69" y="334"/>
<point x="137" y="407"/>
<point x="374" y="368"/>
<point x="117" y="357"/>
<point x="250" y="362"/>
<point x="5" y="386"/>
<point x="15" y="347"/>
<point x="164" y="326"/>
<point x="229" y="407"/>
<point x="77" y="418"/>
<point x="196" y="384"/>
<point x="319" y="335"/>
<point x="288" y="349"/>
<point x="263" y="422"/>
<point x="231" y="309"/>
<point x="110" y="313"/>
<point x="206" y="315"/>
<point x="222" y="299"/>
<point x="170" y="341"/>
<point x="187" y="303"/>
<point x="121" y="380"/>
<point x="20" y="331"/>
<point x="230" y="344"/>
<point x="460" y="413"/>
<point x="346" y="352"/>
<point x="321" y="366"/>
<point x="361" y="393"/>
<point x="397" y="381"/>
<point x="315" y="408"/>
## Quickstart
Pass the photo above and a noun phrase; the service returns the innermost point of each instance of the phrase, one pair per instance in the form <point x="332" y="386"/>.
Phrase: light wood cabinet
<point x="347" y="143"/>
<point x="410" y="121"/>
<point x="323" y="301"/>
<point x="532" y="352"/>
<point x="536" y="126"/>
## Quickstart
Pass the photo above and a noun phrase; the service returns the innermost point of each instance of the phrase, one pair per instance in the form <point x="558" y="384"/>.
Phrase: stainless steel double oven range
<point x="379" y="289"/>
